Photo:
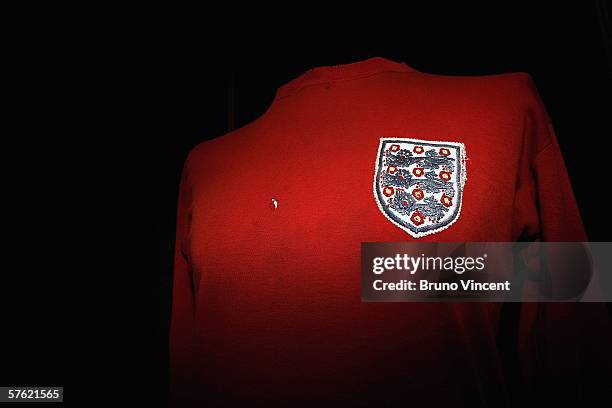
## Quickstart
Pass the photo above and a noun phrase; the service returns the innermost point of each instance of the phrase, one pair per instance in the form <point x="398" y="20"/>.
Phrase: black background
<point x="182" y="81"/>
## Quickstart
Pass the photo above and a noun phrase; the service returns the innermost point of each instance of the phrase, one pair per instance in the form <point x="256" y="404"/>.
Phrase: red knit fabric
<point x="266" y="302"/>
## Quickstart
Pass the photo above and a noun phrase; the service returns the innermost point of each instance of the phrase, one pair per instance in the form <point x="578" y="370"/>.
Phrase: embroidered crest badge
<point x="418" y="184"/>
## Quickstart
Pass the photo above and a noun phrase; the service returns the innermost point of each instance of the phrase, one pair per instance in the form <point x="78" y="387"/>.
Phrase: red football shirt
<point x="266" y="302"/>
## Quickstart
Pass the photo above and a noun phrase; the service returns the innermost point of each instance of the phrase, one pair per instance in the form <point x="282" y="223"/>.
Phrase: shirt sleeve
<point x="183" y="302"/>
<point x="562" y="346"/>
<point x="545" y="207"/>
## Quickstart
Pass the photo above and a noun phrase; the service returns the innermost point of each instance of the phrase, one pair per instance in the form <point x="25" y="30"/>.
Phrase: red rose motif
<point x="394" y="148"/>
<point x="388" y="191"/>
<point x="418" y="171"/>
<point x="417" y="218"/>
<point x="444" y="152"/>
<point x="418" y="193"/>
<point x="446" y="200"/>
<point x="392" y="169"/>
<point x="445" y="175"/>
<point x="418" y="149"/>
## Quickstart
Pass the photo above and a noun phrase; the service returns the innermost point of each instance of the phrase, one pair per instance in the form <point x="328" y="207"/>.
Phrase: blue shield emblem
<point x="418" y="184"/>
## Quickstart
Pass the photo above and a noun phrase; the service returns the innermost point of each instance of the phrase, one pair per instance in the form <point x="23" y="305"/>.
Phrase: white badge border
<point x="461" y="182"/>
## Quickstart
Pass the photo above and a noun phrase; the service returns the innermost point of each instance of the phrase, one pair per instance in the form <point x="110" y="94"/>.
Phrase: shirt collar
<point x="342" y="72"/>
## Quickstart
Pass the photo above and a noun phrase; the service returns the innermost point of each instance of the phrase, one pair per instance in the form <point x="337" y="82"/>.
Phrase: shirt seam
<point x="537" y="155"/>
